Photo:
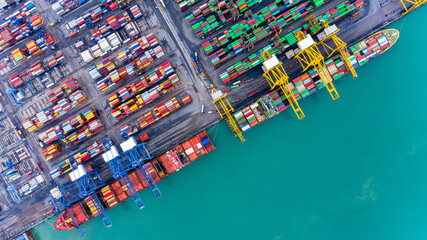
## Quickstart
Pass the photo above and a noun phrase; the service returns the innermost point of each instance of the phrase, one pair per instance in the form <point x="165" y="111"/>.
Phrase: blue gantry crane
<point x="89" y="24"/>
<point x="120" y="167"/>
<point x="42" y="34"/>
<point x="19" y="22"/>
<point x="84" y="184"/>
<point x="137" y="155"/>
<point x="12" y="95"/>
<point x="64" y="139"/>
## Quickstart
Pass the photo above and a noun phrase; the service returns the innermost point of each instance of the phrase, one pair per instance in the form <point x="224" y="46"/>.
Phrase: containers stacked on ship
<point x="170" y="162"/>
<point x="25" y="236"/>
<point x="206" y="141"/>
<point x="65" y="222"/>
<point x="250" y="116"/>
<point x="159" y="168"/>
<point x="240" y="118"/>
<point x="179" y="150"/>
<point x="119" y="191"/>
<point x="109" y="197"/>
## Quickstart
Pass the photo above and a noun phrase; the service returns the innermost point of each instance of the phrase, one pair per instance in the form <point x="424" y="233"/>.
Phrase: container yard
<point x="120" y="92"/>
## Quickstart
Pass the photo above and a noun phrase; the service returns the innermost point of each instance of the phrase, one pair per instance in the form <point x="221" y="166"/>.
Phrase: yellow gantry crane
<point x="276" y="76"/>
<point x="338" y="44"/>
<point x="225" y="109"/>
<point x="415" y="4"/>
<point x="310" y="56"/>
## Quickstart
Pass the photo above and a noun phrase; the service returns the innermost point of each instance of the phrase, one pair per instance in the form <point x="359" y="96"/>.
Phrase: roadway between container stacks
<point x="182" y="49"/>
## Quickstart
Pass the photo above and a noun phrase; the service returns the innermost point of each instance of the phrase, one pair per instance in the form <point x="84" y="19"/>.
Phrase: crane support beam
<point x="277" y="77"/>
<point x="310" y="56"/>
<point x="224" y="109"/>
<point x="414" y="5"/>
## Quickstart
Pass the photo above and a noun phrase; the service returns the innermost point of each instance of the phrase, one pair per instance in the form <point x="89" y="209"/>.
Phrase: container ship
<point x="159" y="168"/>
<point x="309" y="82"/>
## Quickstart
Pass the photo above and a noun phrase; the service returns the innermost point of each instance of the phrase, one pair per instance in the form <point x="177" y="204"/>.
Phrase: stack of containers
<point x="197" y="145"/>
<point x="33" y="48"/>
<point x="29" y="125"/>
<point x="16" y="81"/>
<point x="308" y="83"/>
<point x="7" y="38"/>
<point x="56" y="95"/>
<point x="114" y="41"/>
<point x="109" y="196"/>
<point x="299" y="84"/>
<point x="90" y="152"/>
<point x="112" y="21"/>
<point x="136" y="12"/>
<point x="123" y="56"/>
<point x="62" y="107"/>
<point x="240" y="118"/>
<point x="36" y="21"/>
<point x="277" y="98"/>
<point x="94" y="74"/>
<point x="104" y="67"/>
<point x="48" y="136"/>
<point x="70" y="85"/>
<point x="43" y="117"/>
<point x="250" y="117"/>
<point x="258" y="113"/>
<point x="51" y="61"/>
<point x="146" y="120"/>
<point x="52" y="151"/>
<point x="36" y="68"/>
<point x="185" y="98"/>
<point x="184" y="4"/>
<point x="77" y="98"/>
<point x="18" y="55"/>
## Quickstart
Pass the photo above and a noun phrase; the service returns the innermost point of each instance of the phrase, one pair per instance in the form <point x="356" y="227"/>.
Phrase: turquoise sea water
<point x="355" y="168"/>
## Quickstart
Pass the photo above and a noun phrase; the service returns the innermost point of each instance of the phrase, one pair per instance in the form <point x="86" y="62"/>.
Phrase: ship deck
<point x="176" y="127"/>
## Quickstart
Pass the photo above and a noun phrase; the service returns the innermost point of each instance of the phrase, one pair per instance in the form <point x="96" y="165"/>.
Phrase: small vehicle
<point x="180" y="37"/>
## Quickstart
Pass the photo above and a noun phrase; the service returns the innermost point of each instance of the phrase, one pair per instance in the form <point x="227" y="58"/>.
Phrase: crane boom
<point x="276" y="76"/>
<point x="310" y="56"/>
<point x="330" y="34"/>
<point x="224" y="110"/>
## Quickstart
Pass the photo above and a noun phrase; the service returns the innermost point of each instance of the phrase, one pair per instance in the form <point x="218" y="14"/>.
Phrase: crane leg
<point x="327" y="80"/>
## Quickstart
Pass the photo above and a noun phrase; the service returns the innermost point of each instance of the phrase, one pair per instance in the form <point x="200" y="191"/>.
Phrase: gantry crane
<point x="247" y="41"/>
<point x="44" y="35"/>
<point x="137" y="155"/>
<point x="64" y="139"/>
<point x="277" y="77"/>
<point x="232" y="7"/>
<point x="84" y="184"/>
<point x="275" y="37"/>
<point x="249" y="15"/>
<point x="310" y="56"/>
<point x="338" y="44"/>
<point x="19" y="22"/>
<point x="225" y="109"/>
<point x="120" y="167"/>
<point x="415" y="4"/>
